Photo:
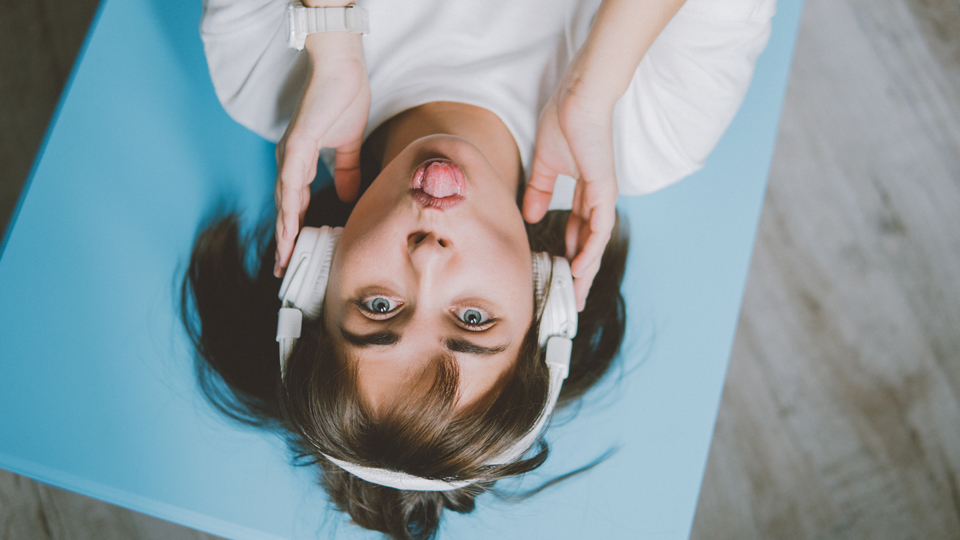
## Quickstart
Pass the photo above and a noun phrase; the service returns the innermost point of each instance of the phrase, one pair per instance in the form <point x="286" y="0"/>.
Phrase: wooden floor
<point x="841" y="413"/>
<point x="840" y="416"/>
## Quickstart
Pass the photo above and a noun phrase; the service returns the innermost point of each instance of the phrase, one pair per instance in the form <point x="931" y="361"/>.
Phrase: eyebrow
<point x="370" y="340"/>
<point x="392" y="338"/>
<point x="464" y="346"/>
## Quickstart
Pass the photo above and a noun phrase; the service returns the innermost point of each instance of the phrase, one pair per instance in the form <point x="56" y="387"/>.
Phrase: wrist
<point x="593" y="79"/>
<point x="337" y="44"/>
<point x="621" y="33"/>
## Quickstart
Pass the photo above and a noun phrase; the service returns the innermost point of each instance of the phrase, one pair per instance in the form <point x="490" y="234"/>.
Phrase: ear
<point x="555" y="297"/>
<point x="305" y="284"/>
<point x="552" y="282"/>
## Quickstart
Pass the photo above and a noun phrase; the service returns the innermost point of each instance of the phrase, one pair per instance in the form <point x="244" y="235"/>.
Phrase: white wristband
<point x="302" y="20"/>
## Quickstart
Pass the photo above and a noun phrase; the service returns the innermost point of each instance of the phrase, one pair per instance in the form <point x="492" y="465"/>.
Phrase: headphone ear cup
<point x="558" y="316"/>
<point x="305" y="284"/>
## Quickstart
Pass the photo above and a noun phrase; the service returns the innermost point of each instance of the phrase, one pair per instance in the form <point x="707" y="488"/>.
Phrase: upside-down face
<point x="434" y="260"/>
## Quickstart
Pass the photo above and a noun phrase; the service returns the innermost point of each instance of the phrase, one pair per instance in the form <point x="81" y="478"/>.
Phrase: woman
<point x="425" y="359"/>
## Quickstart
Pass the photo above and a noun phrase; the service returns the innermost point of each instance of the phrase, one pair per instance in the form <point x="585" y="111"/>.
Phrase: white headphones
<point x="305" y="285"/>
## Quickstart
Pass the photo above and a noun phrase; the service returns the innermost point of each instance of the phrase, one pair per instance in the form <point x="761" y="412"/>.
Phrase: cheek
<point x="511" y="280"/>
<point x="370" y="238"/>
<point x="362" y="260"/>
<point x="332" y="315"/>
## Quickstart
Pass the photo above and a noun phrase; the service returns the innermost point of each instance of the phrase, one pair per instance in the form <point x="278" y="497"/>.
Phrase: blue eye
<point x="379" y="305"/>
<point x="472" y="317"/>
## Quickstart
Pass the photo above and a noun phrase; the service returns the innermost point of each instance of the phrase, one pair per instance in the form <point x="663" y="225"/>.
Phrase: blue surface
<point x="97" y="392"/>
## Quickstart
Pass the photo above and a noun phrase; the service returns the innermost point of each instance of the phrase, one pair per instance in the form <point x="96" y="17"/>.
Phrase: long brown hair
<point x="230" y="314"/>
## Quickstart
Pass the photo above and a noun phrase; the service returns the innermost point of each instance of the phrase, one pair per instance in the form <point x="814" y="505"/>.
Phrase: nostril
<point x="419" y="237"/>
<point x="442" y="243"/>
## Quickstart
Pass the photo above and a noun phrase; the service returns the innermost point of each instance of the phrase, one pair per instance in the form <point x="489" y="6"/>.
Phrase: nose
<point x="428" y="247"/>
<point x="421" y="239"/>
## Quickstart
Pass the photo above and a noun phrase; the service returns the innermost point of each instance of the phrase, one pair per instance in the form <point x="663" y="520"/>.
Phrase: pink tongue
<point x="439" y="180"/>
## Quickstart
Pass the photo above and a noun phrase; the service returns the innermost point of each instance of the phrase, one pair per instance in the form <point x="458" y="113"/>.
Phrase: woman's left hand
<point x="575" y="138"/>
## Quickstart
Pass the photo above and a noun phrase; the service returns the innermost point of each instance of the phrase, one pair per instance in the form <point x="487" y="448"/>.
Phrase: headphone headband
<point x="302" y="293"/>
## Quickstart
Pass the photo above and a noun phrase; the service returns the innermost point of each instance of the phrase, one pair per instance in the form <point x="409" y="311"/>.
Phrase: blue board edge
<point x="793" y="35"/>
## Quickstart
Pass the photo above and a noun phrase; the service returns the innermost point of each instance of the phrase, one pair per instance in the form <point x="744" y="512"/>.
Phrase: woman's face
<point x="416" y="277"/>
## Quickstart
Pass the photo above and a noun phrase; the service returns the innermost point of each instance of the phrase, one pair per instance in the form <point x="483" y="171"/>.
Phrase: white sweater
<point x="507" y="56"/>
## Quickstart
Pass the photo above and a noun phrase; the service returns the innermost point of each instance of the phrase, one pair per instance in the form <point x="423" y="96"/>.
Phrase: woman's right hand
<point x="332" y="113"/>
<point x="575" y="138"/>
<point x="575" y="133"/>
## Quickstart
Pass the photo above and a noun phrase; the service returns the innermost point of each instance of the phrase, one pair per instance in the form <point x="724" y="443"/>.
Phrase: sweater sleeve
<point x="687" y="90"/>
<point x="257" y="78"/>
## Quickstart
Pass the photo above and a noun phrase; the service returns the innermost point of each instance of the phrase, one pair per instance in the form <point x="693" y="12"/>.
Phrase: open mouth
<point x="438" y="183"/>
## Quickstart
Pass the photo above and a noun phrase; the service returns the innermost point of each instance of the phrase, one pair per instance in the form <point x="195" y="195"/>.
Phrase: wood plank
<point x="31" y="510"/>
<point x="840" y="415"/>
<point x="21" y="509"/>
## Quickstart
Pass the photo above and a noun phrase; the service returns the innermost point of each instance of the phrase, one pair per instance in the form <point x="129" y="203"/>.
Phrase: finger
<point x="297" y="161"/>
<point x="294" y="175"/>
<point x="286" y="244"/>
<point x="539" y="191"/>
<point x="277" y="270"/>
<point x="575" y="222"/>
<point x="590" y="255"/>
<point x="293" y="178"/>
<point x="288" y="219"/>
<point x="588" y="264"/>
<point x="304" y="203"/>
<point x="600" y="227"/>
<point x="284" y="250"/>
<point x="601" y="194"/>
<point x="346" y="172"/>
<point x="551" y="157"/>
<point x="572" y="237"/>
<point x="582" y="285"/>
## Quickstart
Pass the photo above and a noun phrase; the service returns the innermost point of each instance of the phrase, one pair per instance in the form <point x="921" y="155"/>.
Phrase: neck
<point x="476" y="124"/>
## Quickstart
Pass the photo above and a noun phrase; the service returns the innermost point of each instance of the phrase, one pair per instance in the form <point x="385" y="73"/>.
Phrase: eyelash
<point x="361" y="303"/>
<point x="473" y="327"/>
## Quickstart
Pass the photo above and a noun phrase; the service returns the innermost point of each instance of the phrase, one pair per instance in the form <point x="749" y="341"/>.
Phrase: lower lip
<point x="438" y="203"/>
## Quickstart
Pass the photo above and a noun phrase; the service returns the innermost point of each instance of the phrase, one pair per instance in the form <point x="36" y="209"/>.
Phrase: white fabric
<point x="507" y="56"/>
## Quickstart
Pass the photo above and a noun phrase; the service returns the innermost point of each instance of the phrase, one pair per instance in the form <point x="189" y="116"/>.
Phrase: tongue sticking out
<point x="440" y="180"/>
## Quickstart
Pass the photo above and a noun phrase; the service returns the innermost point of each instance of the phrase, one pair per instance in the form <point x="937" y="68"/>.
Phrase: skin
<point x="434" y="267"/>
